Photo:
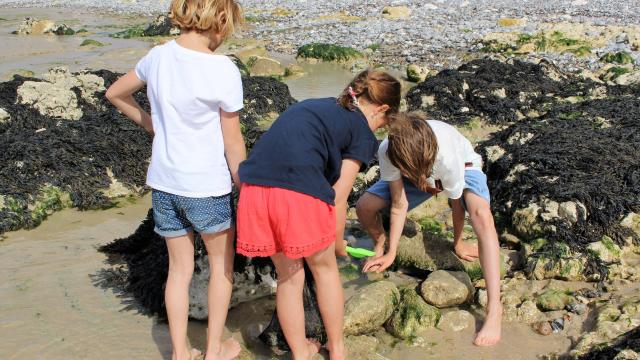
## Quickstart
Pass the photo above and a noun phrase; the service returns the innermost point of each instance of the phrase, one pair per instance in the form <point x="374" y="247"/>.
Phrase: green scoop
<point x="359" y="253"/>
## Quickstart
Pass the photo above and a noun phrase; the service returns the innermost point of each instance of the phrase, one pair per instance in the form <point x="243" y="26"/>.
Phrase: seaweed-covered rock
<point x="328" y="52"/>
<point x="553" y="299"/>
<point x="412" y="315"/>
<point x="264" y="66"/>
<point x="370" y="307"/>
<point x="498" y="92"/>
<point x="61" y="139"/>
<point x="31" y="26"/>
<point x="447" y="288"/>
<point x="161" y="26"/>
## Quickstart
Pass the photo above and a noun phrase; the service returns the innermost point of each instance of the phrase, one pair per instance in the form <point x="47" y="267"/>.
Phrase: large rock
<point x="370" y="307"/>
<point x="427" y="252"/>
<point x="264" y="66"/>
<point x="161" y="26"/>
<point x="412" y="315"/>
<point x="553" y="299"/>
<point x="447" y="288"/>
<point x="416" y="73"/>
<point x="31" y="26"/>
<point x="606" y="250"/>
<point x="455" y="321"/>
<point x="396" y="12"/>
<point x="4" y="116"/>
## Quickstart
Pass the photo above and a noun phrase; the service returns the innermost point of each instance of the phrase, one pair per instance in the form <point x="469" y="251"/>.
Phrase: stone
<point x="494" y="153"/>
<point x="4" y="116"/>
<point x="455" y="321"/>
<point x="263" y="66"/>
<point x="161" y="26"/>
<point x="526" y="223"/>
<point x="528" y="312"/>
<point x="632" y="78"/>
<point x="50" y="99"/>
<point x="246" y="287"/>
<point x="245" y="54"/>
<point x="510" y="22"/>
<point x="412" y="315"/>
<point x="568" y="269"/>
<point x="362" y="347"/>
<point x="627" y="354"/>
<point x="568" y="211"/>
<point x="416" y="73"/>
<point x="606" y="250"/>
<point x="632" y="221"/>
<point x="62" y="29"/>
<point x="30" y="26"/>
<point x="396" y="12"/>
<point x="427" y="252"/>
<point x="447" y="288"/>
<point x="512" y="241"/>
<point x="553" y="299"/>
<point x="370" y="307"/>
<point x="481" y="298"/>
<point x="116" y="188"/>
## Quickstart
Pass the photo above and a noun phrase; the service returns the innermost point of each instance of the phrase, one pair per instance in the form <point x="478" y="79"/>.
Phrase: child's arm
<point x="399" y="208"/>
<point x="120" y="94"/>
<point x="234" y="147"/>
<point x="342" y="187"/>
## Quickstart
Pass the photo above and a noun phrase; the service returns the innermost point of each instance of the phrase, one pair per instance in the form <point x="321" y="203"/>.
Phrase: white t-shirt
<point x="454" y="150"/>
<point x="187" y="89"/>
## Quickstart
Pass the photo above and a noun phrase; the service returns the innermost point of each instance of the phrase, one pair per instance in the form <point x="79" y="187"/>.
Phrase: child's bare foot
<point x="466" y="251"/>
<point x="491" y="329"/>
<point x="337" y="351"/>
<point x="229" y="350"/>
<point x="194" y="354"/>
<point x="313" y="347"/>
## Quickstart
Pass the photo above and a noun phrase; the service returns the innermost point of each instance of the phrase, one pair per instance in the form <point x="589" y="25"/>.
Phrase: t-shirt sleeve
<point x="453" y="177"/>
<point x="388" y="172"/>
<point x="142" y="67"/>
<point x="232" y="99"/>
<point x="362" y="147"/>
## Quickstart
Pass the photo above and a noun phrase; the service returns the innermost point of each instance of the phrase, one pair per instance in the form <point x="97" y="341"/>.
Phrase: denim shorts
<point x="474" y="181"/>
<point x="177" y="215"/>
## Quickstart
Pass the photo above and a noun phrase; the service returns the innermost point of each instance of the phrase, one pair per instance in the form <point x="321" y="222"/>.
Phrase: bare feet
<point x="194" y="354"/>
<point x="313" y="347"/>
<point x="229" y="350"/>
<point x="337" y="352"/>
<point x="491" y="329"/>
<point x="467" y="251"/>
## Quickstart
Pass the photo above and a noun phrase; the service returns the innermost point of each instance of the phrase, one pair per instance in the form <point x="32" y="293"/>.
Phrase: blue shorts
<point x="177" y="215"/>
<point x="474" y="181"/>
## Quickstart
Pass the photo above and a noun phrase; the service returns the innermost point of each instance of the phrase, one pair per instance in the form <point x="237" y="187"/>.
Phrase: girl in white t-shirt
<point x="195" y="97"/>
<point x="421" y="158"/>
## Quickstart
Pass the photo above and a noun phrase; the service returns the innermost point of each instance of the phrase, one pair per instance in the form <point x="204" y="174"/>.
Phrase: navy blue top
<point x="304" y="148"/>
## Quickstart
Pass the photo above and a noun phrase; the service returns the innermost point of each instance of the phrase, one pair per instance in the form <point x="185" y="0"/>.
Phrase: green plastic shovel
<point x="359" y="253"/>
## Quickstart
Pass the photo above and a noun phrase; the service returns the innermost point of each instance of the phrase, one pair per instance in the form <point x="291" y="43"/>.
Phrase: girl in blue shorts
<point x="421" y="158"/>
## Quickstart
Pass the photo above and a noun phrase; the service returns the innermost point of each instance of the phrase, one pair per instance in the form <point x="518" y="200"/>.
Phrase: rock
<point x="631" y="78"/>
<point x="370" y="307"/>
<point x="526" y="222"/>
<point x="577" y="308"/>
<point x="249" y="285"/>
<point x="456" y="321"/>
<point x="161" y="26"/>
<point x="608" y="313"/>
<point x="632" y="221"/>
<point x="510" y="22"/>
<point x="553" y="299"/>
<point x="512" y="241"/>
<point x="447" y="288"/>
<point x="481" y="298"/>
<point x="263" y="66"/>
<point x="62" y="29"/>
<point x="328" y="52"/>
<point x="362" y="347"/>
<point x="412" y="315"/>
<point x="245" y="54"/>
<point x="606" y="250"/>
<point x="50" y="99"/>
<point x="416" y="253"/>
<point x="4" y="116"/>
<point x="569" y="269"/>
<point x="416" y="73"/>
<point x="30" y="26"/>
<point x="528" y="312"/>
<point x="396" y="12"/>
<point x="627" y="354"/>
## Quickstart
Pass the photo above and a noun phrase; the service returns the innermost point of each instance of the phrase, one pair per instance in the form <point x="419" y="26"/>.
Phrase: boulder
<point x="427" y="252"/>
<point x="455" y="321"/>
<point x="606" y="250"/>
<point x="627" y="354"/>
<point x="370" y="307"/>
<point x="263" y="66"/>
<point x="396" y="12"/>
<point x="447" y="288"/>
<point x="416" y="73"/>
<point x="161" y="26"/>
<point x="245" y="54"/>
<point x="412" y="315"/>
<point x="50" y="99"/>
<point x="4" y="116"/>
<point x="31" y="26"/>
<point x="553" y="299"/>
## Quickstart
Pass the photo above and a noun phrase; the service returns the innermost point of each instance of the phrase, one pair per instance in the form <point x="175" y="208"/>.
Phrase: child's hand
<point x="379" y="264"/>
<point x="466" y="251"/>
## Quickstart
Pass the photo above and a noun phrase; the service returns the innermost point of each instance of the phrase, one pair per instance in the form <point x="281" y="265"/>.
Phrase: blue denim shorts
<point x="474" y="181"/>
<point x="177" y="215"/>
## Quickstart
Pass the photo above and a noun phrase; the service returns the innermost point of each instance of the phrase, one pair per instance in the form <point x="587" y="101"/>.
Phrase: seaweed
<point x="627" y="341"/>
<point x="328" y="52"/>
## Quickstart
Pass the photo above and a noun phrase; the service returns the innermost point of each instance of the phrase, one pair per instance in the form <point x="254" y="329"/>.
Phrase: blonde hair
<point x="221" y="16"/>
<point x="377" y="87"/>
<point x="413" y="147"/>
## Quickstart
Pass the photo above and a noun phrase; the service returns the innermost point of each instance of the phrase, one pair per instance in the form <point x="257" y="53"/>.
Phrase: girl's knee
<point x="291" y="273"/>
<point x="181" y="269"/>
<point x="369" y="205"/>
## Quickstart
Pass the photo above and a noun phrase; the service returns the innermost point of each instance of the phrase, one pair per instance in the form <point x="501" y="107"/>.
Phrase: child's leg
<point x="290" y="307"/>
<point x="368" y="210"/>
<point x="176" y="293"/>
<point x="330" y="298"/>
<point x="220" y="251"/>
<point x="484" y="227"/>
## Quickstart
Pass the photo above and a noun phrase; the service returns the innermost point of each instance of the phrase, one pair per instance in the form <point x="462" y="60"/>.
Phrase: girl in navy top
<point x="294" y="199"/>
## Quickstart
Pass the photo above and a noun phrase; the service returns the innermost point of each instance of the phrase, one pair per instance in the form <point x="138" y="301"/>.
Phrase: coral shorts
<point x="274" y="220"/>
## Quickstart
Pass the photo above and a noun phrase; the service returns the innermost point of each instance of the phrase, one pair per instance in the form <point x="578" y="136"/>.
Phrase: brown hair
<point x="412" y="147"/>
<point x="377" y="87"/>
<point x="205" y="15"/>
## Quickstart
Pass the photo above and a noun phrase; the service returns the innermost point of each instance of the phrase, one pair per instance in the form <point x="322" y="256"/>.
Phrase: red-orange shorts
<point x="273" y="220"/>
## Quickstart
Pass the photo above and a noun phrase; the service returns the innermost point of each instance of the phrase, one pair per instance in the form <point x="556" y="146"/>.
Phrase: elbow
<point x="110" y="95"/>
